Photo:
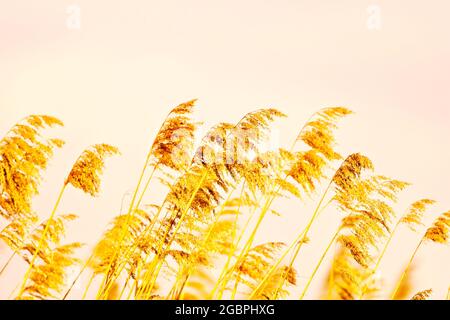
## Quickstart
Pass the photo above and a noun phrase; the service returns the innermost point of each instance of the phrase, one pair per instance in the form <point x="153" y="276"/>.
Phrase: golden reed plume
<point x="423" y="295"/>
<point x="85" y="173"/>
<point x="24" y="155"/>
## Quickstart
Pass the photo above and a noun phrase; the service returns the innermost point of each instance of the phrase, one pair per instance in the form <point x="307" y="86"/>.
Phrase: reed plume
<point x="317" y="134"/>
<point x="440" y="230"/>
<point x="423" y="295"/>
<point x="56" y="231"/>
<point x="24" y="155"/>
<point x="49" y="279"/>
<point x="368" y="204"/>
<point x="174" y="141"/>
<point x="86" y="172"/>
<point x="347" y="279"/>
<point x="413" y="217"/>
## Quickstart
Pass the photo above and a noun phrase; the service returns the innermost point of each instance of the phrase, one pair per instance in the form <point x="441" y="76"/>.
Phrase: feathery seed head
<point x="414" y="214"/>
<point x="24" y="154"/>
<point x="86" y="172"/>
<point x="318" y="132"/>
<point x="423" y="295"/>
<point x="439" y="232"/>
<point x="174" y="142"/>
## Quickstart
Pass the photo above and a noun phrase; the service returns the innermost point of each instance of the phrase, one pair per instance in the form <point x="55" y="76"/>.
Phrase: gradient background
<point x="115" y="78"/>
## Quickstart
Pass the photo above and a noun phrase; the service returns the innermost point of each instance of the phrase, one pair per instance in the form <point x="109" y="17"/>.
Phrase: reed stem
<point x="11" y="257"/>
<point x="319" y="264"/>
<point x="77" y="277"/>
<point x="397" y="287"/>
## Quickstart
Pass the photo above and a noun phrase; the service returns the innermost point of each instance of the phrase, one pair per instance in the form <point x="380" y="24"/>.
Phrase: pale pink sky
<point x="115" y="79"/>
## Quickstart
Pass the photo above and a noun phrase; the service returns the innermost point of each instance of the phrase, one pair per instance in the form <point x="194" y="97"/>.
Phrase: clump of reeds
<point x="219" y="194"/>
<point x="24" y="155"/>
